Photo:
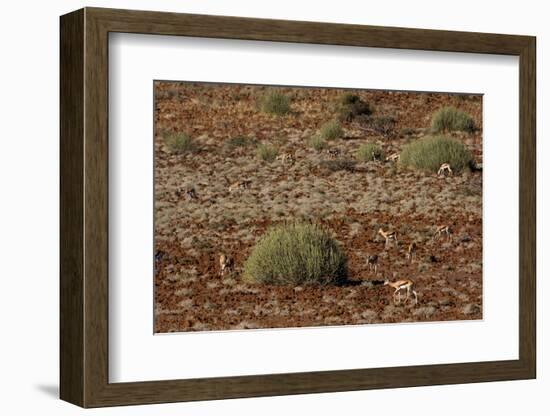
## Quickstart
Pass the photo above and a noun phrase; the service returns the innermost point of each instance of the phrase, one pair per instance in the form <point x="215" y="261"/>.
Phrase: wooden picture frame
<point x="84" y="207"/>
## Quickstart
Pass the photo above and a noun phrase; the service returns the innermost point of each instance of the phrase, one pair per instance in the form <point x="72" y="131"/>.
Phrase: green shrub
<point x="452" y="119"/>
<point x="370" y="151"/>
<point x="331" y="130"/>
<point x="350" y="106"/>
<point x="267" y="152"/>
<point x="180" y="143"/>
<point x="275" y="102"/>
<point x="239" y="141"/>
<point x="295" y="254"/>
<point x="318" y="143"/>
<point x="339" y="164"/>
<point x="431" y="152"/>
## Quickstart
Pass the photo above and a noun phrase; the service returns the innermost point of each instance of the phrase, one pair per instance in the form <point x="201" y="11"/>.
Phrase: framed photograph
<point x="254" y="207"/>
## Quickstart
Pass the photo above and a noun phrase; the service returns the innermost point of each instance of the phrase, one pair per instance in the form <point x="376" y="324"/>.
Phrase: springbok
<point x="286" y="157"/>
<point x="239" y="185"/>
<point x="226" y="264"/>
<point x="411" y="251"/>
<point x="388" y="235"/>
<point x="372" y="262"/>
<point x="333" y="153"/>
<point x="394" y="157"/>
<point x="445" y="167"/>
<point x="399" y="286"/>
<point x="443" y="229"/>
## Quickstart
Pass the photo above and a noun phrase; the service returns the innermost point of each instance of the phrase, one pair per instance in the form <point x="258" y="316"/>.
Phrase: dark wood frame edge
<point x="84" y="207"/>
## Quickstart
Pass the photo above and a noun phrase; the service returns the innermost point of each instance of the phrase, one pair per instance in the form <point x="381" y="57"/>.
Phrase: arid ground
<point x="227" y="125"/>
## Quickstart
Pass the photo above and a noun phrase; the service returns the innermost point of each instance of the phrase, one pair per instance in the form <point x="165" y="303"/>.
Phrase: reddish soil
<point x="190" y="234"/>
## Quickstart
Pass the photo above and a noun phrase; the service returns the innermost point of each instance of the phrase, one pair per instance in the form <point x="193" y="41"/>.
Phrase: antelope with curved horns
<point x="399" y="286"/>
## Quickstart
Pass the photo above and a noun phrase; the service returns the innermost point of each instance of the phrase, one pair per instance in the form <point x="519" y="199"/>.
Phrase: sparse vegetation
<point x="339" y="164"/>
<point x="449" y="119"/>
<point x="350" y="106"/>
<point x="180" y="143"/>
<point x="431" y="152"/>
<point x="368" y="152"/>
<point x="318" y="143"/>
<point x="239" y="141"/>
<point x="275" y="102"/>
<point x="267" y="152"/>
<point x="382" y="124"/>
<point x="296" y="254"/>
<point x="331" y="130"/>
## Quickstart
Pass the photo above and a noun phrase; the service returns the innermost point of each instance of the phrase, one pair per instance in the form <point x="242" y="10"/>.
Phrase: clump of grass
<point x="339" y="164"/>
<point x="368" y="152"/>
<point x="296" y="254"/>
<point x="431" y="152"/>
<point x="350" y="106"/>
<point x="180" y="143"/>
<point x="238" y="141"/>
<point x="318" y="143"/>
<point x="452" y="119"/>
<point x="275" y="102"/>
<point x="331" y="130"/>
<point x="267" y="152"/>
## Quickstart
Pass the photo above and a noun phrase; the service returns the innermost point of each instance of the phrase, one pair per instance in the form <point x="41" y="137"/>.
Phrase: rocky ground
<point x="190" y="234"/>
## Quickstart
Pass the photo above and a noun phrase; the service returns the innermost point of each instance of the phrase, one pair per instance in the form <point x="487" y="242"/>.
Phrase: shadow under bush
<point x="295" y="254"/>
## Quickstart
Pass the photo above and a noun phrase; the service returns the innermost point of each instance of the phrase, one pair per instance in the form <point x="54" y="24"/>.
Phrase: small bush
<point x="318" y="143"/>
<point x="339" y="164"/>
<point x="267" y="152"/>
<point x="452" y="119"/>
<point x="431" y="152"/>
<point x="275" y="102"/>
<point x="383" y="124"/>
<point x="239" y="141"/>
<point x="180" y="143"/>
<point x="350" y="106"/>
<point x="331" y="130"/>
<point x="296" y="254"/>
<point x="370" y="151"/>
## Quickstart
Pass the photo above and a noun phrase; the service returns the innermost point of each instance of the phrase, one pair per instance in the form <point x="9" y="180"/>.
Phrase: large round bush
<point x="431" y="152"/>
<point x="296" y="254"/>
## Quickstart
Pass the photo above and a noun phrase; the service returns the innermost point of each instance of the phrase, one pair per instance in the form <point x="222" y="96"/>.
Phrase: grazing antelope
<point x="333" y="153"/>
<point x="445" y="167"/>
<point x="286" y="157"/>
<point x="443" y="229"/>
<point x="388" y="235"/>
<point x="372" y="262"/>
<point x="394" y="157"/>
<point x="411" y="251"/>
<point x="399" y="286"/>
<point x="226" y="264"/>
<point x="239" y="185"/>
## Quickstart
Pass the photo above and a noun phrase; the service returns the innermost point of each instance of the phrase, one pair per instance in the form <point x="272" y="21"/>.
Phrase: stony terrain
<point x="191" y="233"/>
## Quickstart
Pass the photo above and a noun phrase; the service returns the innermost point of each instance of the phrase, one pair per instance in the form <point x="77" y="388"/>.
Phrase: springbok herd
<point x="406" y="286"/>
